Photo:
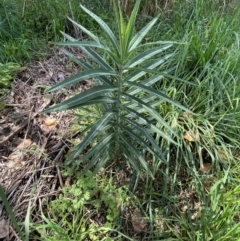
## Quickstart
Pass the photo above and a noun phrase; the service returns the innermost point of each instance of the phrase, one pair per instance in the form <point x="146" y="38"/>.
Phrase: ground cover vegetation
<point x="157" y="157"/>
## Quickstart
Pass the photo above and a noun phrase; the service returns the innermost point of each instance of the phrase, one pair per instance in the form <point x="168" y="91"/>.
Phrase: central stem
<point x="118" y="108"/>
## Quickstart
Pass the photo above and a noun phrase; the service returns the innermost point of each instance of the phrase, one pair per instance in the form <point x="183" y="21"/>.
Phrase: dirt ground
<point x="33" y="145"/>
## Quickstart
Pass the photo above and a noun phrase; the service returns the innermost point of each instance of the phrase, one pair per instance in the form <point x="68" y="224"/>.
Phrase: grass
<point x="7" y="72"/>
<point x="195" y="195"/>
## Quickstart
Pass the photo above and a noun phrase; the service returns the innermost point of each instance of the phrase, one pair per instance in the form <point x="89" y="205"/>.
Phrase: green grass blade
<point x="82" y="98"/>
<point x="10" y="212"/>
<point x="28" y="215"/>
<point x="161" y="42"/>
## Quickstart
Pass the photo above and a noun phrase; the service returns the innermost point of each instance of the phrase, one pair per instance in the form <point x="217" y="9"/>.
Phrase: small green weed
<point x="88" y="209"/>
<point x="7" y="72"/>
<point x="24" y="235"/>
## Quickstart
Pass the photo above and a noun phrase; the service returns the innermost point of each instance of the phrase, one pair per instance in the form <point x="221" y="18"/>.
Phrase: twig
<point x="58" y="170"/>
<point x="18" y="128"/>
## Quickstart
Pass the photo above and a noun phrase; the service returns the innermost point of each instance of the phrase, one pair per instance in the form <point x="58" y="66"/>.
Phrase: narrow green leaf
<point x="97" y="58"/>
<point x="149" y="137"/>
<point x="87" y="74"/>
<point x="106" y="156"/>
<point x="141" y="34"/>
<point x="115" y="57"/>
<point x="131" y="24"/>
<point x="160" y="42"/>
<point x="143" y="143"/>
<point x="159" y="94"/>
<point x="146" y="55"/>
<point x="150" y="81"/>
<point x="104" y="27"/>
<point x="151" y="111"/>
<point x="103" y="79"/>
<point x="86" y="31"/>
<point x="83" y="44"/>
<point x="10" y="212"/>
<point x="98" y="100"/>
<point x="97" y="149"/>
<point x="98" y="127"/>
<point x="137" y="154"/>
<point x="82" y="98"/>
<point x="155" y="63"/>
<point x="144" y="121"/>
<point x="68" y="37"/>
<point x="127" y="155"/>
<point x="122" y="32"/>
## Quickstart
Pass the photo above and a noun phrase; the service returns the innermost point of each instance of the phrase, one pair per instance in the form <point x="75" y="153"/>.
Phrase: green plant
<point x="7" y="71"/>
<point x="124" y="76"/>
<point x="211" y="91"/>
<point x="18" y="42"/>
<point x="10" y="26"/>
<point x="23" y="235"/>
<point x="88" y="209"/>
<point x="218" y="215"/>
<point x="51" y="17"/>
<point x="10" y="212"/>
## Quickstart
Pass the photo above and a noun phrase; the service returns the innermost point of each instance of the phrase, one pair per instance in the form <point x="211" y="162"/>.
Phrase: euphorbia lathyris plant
<point x="124" y="71"/>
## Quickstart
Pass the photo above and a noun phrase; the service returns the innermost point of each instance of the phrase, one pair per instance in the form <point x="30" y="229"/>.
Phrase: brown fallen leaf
<point x="191" y="136"/>
<point x="23" y="68"/>
<point x="67" y="182"/>
<point x="50" y="122"/>
<point x="14" y="164"/>
<point x="19" y="154"/>
<point x="222" y="153"/>
<point x="24" y="144"/>
<point x="138" y="221"/>
<point x="187" y="115"/>
<point x="205" y="168"/>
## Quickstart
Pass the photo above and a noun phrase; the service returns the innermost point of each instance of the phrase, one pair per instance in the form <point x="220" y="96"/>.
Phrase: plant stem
<point x="118" y="109"/>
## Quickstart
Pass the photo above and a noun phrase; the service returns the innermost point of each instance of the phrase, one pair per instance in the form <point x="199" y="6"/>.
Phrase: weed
<point x="123" y="93"/>
<point x="88" y="209"/>
<point x="7" y="72"/>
